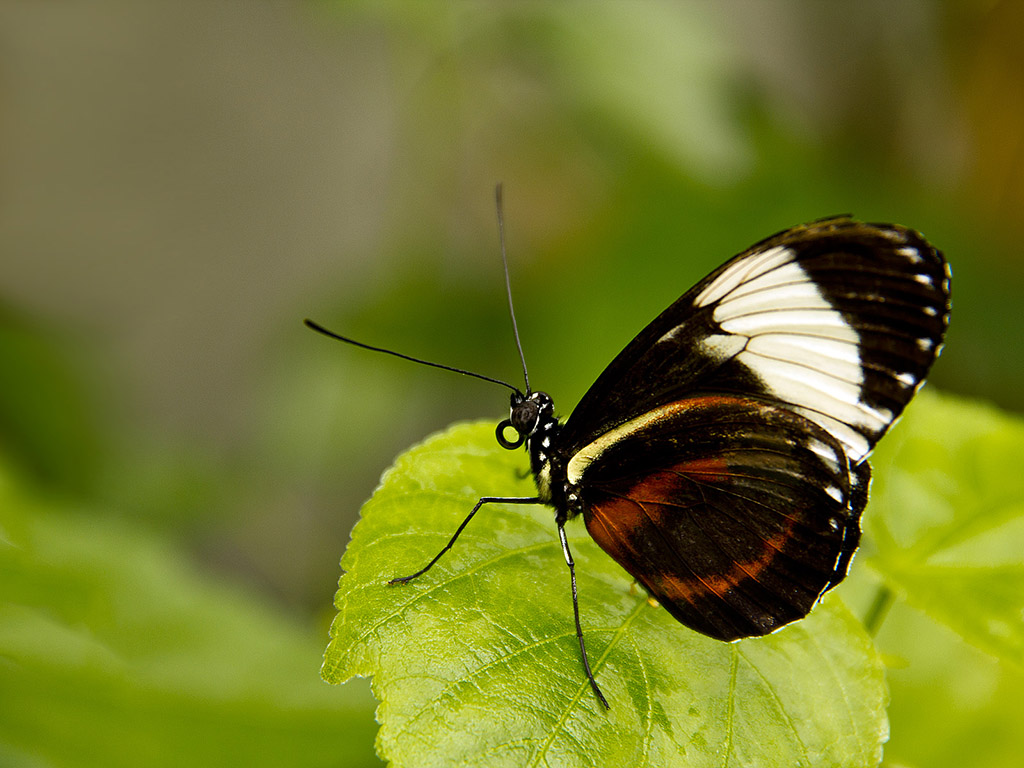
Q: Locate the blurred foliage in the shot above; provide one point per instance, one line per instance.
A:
(640, 145)
(47, 424)
(948, 520)
(114, 651)
(945, 532)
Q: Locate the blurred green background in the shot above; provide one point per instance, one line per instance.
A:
(183, 182)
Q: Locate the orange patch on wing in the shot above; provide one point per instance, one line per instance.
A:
(720, 583)
(707, 470)
(614, 523)
(617, 524)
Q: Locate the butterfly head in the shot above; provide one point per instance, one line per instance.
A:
(526, 414)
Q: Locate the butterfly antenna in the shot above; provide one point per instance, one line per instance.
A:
(320, 329)
(508, 284)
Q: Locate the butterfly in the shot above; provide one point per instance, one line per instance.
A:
(721, 458)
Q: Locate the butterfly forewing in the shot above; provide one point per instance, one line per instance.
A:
(735, 514)
(837, 320)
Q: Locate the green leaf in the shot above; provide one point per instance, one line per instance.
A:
(476, 662)
(947, 518)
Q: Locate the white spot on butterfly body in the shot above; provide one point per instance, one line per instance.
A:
(544, 481)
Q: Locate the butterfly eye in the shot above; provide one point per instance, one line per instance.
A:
(525, 417)
(503, 441)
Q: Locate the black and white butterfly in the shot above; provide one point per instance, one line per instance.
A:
(721, 458)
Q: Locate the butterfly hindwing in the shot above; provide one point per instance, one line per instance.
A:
(736, 514)
(838, 320)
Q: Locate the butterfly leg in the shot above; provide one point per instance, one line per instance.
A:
(451, 541)
(576, 614)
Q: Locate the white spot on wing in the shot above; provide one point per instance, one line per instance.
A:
(839, 357)
(853, 441)
(816, 388)
(911, 253)
(589, 453)
(906, 379)
(786, 289)
(779, 324)
(741, 271)
(722, 346)
(670, 334)
(826, 452)
(783, 329)
(816, 320)
(819, 393)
